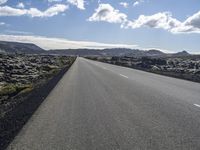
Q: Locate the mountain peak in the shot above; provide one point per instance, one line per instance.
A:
(182, 53)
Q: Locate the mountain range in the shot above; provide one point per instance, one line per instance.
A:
(29, 48)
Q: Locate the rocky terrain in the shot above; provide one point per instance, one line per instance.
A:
(19, 74)
(25, 81)
(181, 65)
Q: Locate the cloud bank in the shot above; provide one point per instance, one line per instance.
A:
(33, 12)
(58, 43)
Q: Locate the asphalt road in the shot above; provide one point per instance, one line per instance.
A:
(98, 106)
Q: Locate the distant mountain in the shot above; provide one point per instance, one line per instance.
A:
(92, 52)
(154, 52)
(15, 47)
(145, 53)
(28, 48)
(75, 52)
(107, 52)
(117, 51)
(183, 53)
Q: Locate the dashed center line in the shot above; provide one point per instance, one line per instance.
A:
(197, 105)
(123, 76)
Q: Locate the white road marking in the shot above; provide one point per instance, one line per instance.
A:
(197, 105)
(123, 76)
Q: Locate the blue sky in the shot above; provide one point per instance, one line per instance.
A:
(170, 25)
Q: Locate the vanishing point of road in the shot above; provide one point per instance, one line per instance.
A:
(98, 106)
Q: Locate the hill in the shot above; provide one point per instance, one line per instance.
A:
(183, 53)
(15, 47)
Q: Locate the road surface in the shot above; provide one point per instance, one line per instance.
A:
(98, 106)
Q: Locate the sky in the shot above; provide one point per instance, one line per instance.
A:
(168, 25)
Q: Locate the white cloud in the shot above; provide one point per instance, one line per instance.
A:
(9, 11)
(58, 43)
(20, 5)
(164, 20)
(18, 32)
(2, 23)
(54, 1)
(55, 10)
(194, 20)
(33, 12)
(78, 3)
(160, 20)
(3, 1)
(124, 4)
(138, 2)
(105, 12)
(191, 24)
